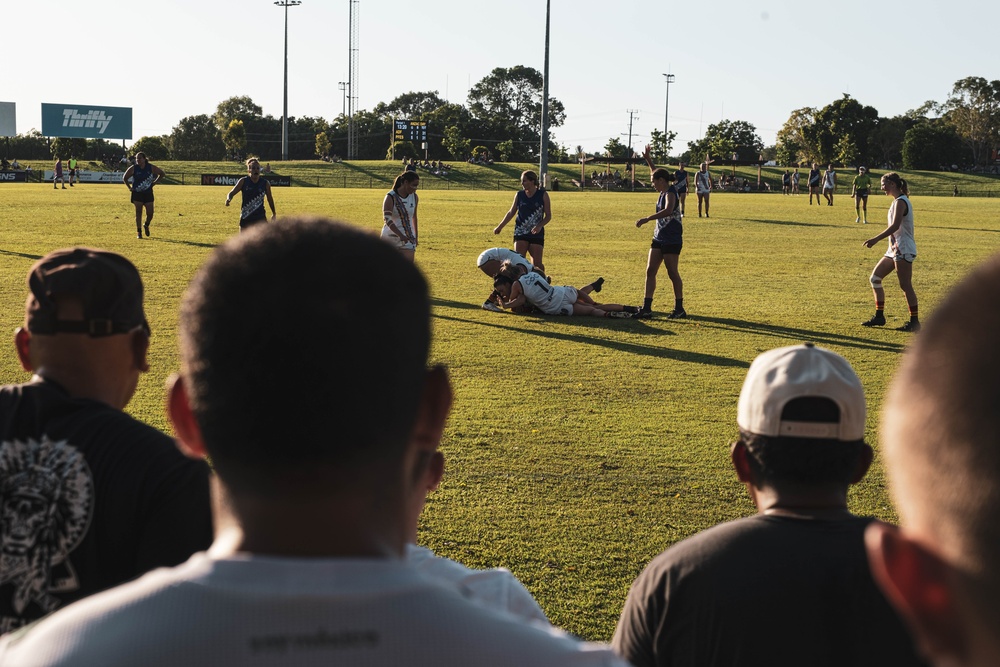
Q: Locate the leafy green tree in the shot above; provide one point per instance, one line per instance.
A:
(844, 121)
(29, 146)
(504, 150)
(615, 148)
(660, 145)
(235, 139)
(323, 144)
(446, 116)
(414, 105)
(155, 148)
(973, 109)
(236, 108)
(402, 149)
(931, 144)
(886, 140)
(455, 143)
(67, 148)
(508, 104)
(196, 138)
(792, 146)
(727, 137)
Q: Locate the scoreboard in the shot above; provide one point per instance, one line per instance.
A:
(410, 130)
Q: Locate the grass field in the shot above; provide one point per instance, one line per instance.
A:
(578, 448)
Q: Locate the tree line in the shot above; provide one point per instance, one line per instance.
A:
(502, 117)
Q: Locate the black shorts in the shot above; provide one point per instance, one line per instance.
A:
(531, 239)
(814, 185)
(666, 248)
(250, 222)
(862, 193)
(144, 197)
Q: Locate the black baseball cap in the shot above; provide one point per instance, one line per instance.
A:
(107, 285)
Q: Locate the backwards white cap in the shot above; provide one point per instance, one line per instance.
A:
(786, 373)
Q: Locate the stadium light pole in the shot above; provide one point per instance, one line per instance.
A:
(666, 105)
(543, 160)
(343, 89)
(284, 115)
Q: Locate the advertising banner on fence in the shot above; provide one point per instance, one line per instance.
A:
(226, 179)
(13, 177)
(88, 176)
(78, 121)
(8, 128)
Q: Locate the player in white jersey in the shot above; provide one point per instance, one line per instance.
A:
(490, 261)
(900, 255)
(703, 187)
(399, 212)
(532, 288)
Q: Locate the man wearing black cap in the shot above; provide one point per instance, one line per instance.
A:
(89, 497)
(790, 585)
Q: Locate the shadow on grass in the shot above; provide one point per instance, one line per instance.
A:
(182, 242)
(596, 323)
(25, 255)
(377, 176)
(790, 223)
(823, 337)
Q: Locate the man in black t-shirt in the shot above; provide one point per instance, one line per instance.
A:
(89, 497)
(789, 586)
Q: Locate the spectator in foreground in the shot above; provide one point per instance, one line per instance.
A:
(790, 585)
(318, 454)
(941, 440)
(90, 497)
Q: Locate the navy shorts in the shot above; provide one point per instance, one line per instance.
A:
(531, 239)
(144, 197)
(254, 220)
(666, 248)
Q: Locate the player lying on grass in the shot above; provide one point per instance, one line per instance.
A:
(491, 260)
(518, 287)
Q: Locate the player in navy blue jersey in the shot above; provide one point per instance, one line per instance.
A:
(144, 176)
(667, 240)
(255, 190)
(533, 210)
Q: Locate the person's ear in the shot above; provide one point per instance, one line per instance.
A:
(435, 405)
(22, 344)
(185, 426)
(738, 453)
(864, 463)
(140, 349)
(435, 471)
(919, 584)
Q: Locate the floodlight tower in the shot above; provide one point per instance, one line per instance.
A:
(543, 160)
(352, 79)
(666, 105)
(284, 114)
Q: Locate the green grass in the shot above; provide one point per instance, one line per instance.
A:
(578, 448)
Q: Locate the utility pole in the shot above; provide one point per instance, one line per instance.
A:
(284, 114)
(543, 160)
(352, 79)
(632, 115)
(342, 87)
(666, 107)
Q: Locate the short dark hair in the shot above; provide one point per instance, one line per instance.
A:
(664, 174)
(804, 461)
(304, 344)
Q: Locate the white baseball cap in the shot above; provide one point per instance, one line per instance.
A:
(786, 373)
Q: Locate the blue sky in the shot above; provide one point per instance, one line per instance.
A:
(752, 60)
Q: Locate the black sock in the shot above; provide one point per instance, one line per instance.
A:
(597, 284)
(678, 304)
(647, 304)
(630, 309)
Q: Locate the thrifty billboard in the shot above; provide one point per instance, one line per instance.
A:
(78, 121)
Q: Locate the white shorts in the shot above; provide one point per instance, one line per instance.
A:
(900, 257)
(564, 305)
(391, 238)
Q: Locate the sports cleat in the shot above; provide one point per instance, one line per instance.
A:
(598, 284)
(677, 314)
(619, 314)
(643, 314)
(913, 326)
(489, 305)
(138, 236)
(145, 228)
(864, 222)
(877, 320)
(857, 220)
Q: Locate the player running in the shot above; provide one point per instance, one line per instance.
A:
(144, 176)
(255, 190)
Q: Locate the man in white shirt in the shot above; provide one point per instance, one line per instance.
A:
(321, 417)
